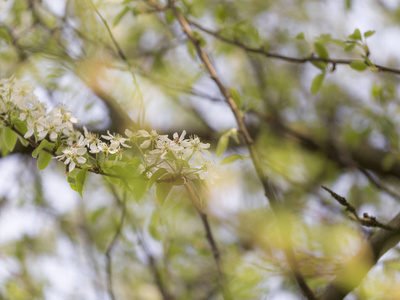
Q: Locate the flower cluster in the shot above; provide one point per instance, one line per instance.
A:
(179, 157)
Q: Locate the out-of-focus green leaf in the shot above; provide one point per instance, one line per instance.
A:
(157, 174)
(236, 97)
(162, 191)
(356, 35)
(321, 51)
(317, 83)
(369, 33)
(222, 144)
(120, 15)
(358, 65)
(5, 36)
(231, 159)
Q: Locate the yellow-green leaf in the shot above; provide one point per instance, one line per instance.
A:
(358, 65)
(317, 83)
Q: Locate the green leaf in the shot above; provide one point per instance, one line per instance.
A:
(321, 51)
(350, 47)
(9, 138)
(320, 65)
(358, 65)
(300, 36)
(201, 41)
(44, 159)
(157, 174)
(191, 49)
(356, 35)
(72, 178)
(43, 144)
(5, 36)
(169, 16)
(120, 15)
(369, 33)
(222, 144)
(231, 159)
(138, 187)
(80, 181)
(155, 226)
(236, 97)
(162, 191)
(317, 83)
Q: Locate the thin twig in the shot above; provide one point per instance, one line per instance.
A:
(365, 220)
(379, 184)
(211, 241)
(152, 263)
(262, 51)
(110, 249)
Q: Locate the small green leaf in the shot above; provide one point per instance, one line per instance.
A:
(356, 35)
(222, 144)
(369, 33)
(191, 49)
(358, 65)
(155, 226)
(157, 174)
(300, 36)
(72, 178)
(236, 97)
(320, 65)
(321, 50)
(317, 83)
(120, 15)
(169, 16)
(201, 41)
(80, 181)
(162, 191)
(43, 144)
(5, 35)
(9, 138)
(44, 159)
(138, 187)
(350, 47)
(231, 159)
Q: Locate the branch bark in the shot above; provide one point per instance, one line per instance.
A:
(358, 267)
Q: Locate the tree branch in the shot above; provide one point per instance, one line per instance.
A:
(239, 116)
(366, 220)
(111, 247)
(267, 54)
(213, 245)
(356, 269)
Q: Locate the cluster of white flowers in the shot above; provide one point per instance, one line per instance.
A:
(180, 157)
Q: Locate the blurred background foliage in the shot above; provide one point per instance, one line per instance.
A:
(346, 136)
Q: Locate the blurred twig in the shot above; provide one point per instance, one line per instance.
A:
(211, 241)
